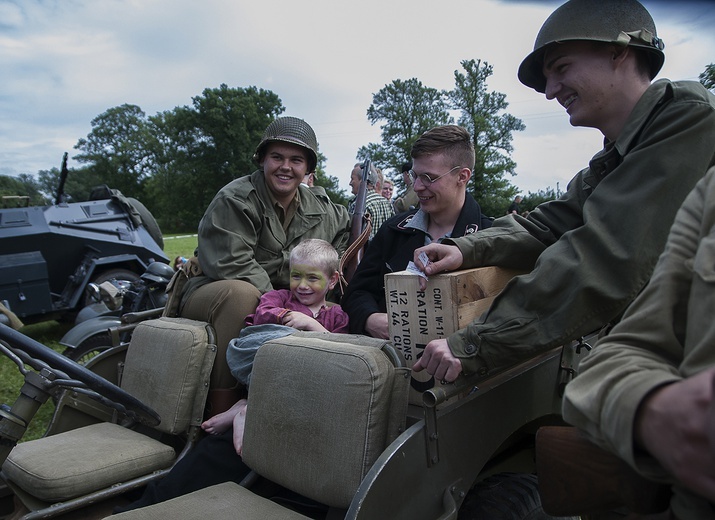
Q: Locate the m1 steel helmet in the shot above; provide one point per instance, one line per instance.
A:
(622, 22)
(158, 272)
(290, 130)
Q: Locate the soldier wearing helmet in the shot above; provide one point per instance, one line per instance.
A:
(248, 231)
(619, 22)
(593, 250)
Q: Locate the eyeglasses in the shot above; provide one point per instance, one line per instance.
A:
(426, 180)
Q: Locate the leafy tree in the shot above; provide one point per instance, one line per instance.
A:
(407, 109)
(199, 149)
(117, 149)
(481, 112)
(23, 185)
(330, 183)
(532, 200)
(78, 186)
(707, 77)
(176, 161)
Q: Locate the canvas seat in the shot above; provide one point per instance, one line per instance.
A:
(167, 366)
(321, 409)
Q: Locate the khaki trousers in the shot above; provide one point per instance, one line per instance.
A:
(225, 305)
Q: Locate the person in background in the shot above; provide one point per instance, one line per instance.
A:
(443, 158)
(376, 205)
(408, 200)
(514, 206)
(589, 253)
(387, 188)
(309, 179)
(179, 262)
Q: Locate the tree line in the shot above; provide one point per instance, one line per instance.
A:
(175, 161)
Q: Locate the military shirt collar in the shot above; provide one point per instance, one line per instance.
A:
(420, 221)
(613, 152)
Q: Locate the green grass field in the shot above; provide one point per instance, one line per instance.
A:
(179, 245)
(50, 332)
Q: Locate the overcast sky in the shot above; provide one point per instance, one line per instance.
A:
(63, 62)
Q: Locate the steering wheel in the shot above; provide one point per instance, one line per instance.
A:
(39, 356)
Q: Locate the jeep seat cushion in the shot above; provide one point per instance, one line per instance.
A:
(77, 462)
(227, 500)
(319, 413)
(168, 366)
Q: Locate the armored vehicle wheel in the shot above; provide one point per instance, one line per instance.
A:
(505, 496)
(89, 348)
(148, 221)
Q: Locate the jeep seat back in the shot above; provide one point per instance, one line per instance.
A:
(321, 409)
(167, 366)
(321, 412)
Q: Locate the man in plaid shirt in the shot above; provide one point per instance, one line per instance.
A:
(379, 208)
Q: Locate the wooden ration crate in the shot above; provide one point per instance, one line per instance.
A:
(450, 302)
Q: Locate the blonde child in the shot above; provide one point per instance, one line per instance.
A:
(313, 273)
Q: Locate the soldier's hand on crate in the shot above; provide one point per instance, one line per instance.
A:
(442, 257)
(439, 361)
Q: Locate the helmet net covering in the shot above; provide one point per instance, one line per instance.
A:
(290, 130)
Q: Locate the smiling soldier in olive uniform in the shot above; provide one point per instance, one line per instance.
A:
(594, 249)
(248, 232)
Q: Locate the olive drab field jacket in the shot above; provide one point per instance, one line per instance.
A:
(593, 250)
(241, 236)
(667, 334)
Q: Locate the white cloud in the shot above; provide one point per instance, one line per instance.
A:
(66, 62)
(10, 15)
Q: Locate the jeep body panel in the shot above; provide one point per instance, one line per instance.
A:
(428, 470)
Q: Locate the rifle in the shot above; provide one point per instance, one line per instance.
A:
(63, 178)
(360, 228)
(576, 477)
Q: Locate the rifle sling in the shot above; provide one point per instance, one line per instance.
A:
(353, 250)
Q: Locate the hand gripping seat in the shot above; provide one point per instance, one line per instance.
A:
(321, 409)
(167, 366)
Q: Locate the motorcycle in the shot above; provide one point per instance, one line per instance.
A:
(115, 299)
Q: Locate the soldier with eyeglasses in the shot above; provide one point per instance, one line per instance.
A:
(443, 158)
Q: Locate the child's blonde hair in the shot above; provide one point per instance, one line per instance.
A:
(316, 252)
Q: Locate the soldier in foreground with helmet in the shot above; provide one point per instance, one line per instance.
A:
(245, 240)
(593, 250)
(247, 233)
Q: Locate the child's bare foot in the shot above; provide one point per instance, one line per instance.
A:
(239, 422)
(221, 422)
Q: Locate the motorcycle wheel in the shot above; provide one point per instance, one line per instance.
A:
(89, 348)
(118, 274)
